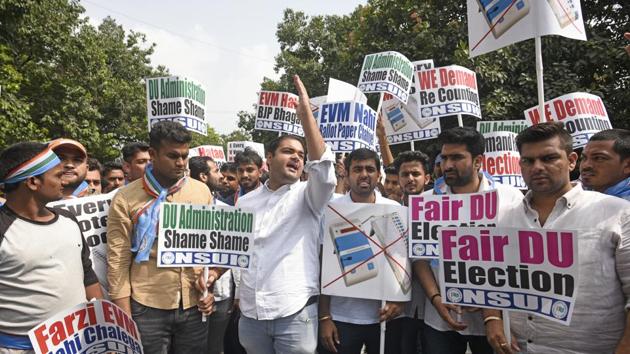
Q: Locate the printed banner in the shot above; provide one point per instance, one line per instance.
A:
(179, 100)
(205, 235)
(528, 270)
(91, 213)
(583, 115)
(95, 327)
(276, 112)
(389, 72)
(365, 253)
(428, 213)
(234, 147)
(501, 159)
(447, 91)
(494, 24)
(514, 126)
(347, 126)
(214, 151)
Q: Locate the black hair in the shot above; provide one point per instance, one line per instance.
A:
(391, 170)
(131, 149)
(621, 138)
(273, 145)
(248, 156)
(94, 165)
(168, 131)
(545, 131)
(474, 141)
(198, 165)
(110, 166)
(14, 156)
(412, 156)
(228, 167)
(361, 155)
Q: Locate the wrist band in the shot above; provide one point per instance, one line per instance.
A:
(327, 317)
(491, 318)
(433, 297)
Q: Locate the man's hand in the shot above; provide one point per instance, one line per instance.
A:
(391, 310)
(206, 303)
(328, 335)
(496, 338)
(380, 127)
(445, 310)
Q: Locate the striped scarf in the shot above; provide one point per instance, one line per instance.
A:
(146, 219)
(36, 166)
(81, 191)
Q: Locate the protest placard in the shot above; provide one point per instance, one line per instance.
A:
(347, 126)
(514, 126)
(234, 147)
(496, 24)
(214, 151)
(428, 213)
(177, 99)
(91, 213)
(275, 111)
(94, 327)
(447, 91)
(389, 72)
(583, 115)
(364, 253)
(342, 91)
(205, 235)
(529, 270)
(501, 158)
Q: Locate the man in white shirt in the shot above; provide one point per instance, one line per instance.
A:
(347, 324)
(599, 323)
(462, 153)
(278, 293)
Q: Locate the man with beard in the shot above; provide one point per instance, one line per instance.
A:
(135, 159)
(462, 154)
(605, 165)
(600, 322)
(93, 176)
(248, 169)
(229, 193)
(113, 175)
(278, 292)
(347, 324)
(206, 170)
(73, 158)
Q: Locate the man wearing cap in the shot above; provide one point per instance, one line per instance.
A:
(73, 158)
(45, 265)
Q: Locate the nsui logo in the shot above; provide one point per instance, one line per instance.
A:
(168, 258)
(450, 108)
(454, 295)
(243, 261)
(418, 249)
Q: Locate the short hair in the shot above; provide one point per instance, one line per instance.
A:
(621, 138)
(94, 165)
(131, 149)
(248, 156)
(545, 131)
(198, 165)
(273, 145)
(361, 155)
(168, 131)
(472, 139)
(228, 167)
(391, 170)
(14, 156)
(412, 156)
(110, 166)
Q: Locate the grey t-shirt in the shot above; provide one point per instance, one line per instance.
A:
(44, 268)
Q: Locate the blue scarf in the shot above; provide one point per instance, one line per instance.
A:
(621, 189)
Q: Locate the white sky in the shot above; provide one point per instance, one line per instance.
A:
(227, 46)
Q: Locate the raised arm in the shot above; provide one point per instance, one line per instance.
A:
(314, 141)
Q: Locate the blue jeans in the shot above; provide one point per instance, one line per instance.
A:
(170, 331)
(352, 337)
(294, 334)
(438, 342)
(217, 324)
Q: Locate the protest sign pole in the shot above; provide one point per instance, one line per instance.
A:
(413, 146)
(539, 77)
(460, 123)
(204, 317)
(382, 344)
(506, 327)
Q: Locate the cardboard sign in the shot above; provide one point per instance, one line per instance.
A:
(347, 126)
(177, 99)
(214, 151)
(234, 147)
(276, 112)
(514, 126)
(389, 72)
(447, 91)
(529, 270)
(94, 327)
(501, 159)
(583, 115)
(428, 213)
(91, 213)
(365, 253)
(498, 23)
(205, 235)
